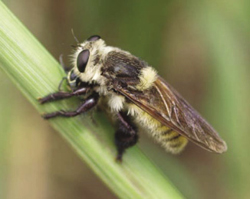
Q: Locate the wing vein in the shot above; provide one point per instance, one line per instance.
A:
(164, 101)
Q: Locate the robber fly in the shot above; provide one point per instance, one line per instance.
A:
(135, 95)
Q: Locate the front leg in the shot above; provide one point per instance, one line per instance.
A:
(63, 95)
(89, 103)
(126, 135)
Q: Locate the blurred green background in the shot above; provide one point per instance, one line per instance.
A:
(200, 47)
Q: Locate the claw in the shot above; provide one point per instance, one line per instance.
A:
(118, 159)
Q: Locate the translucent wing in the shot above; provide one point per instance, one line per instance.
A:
(166, 105)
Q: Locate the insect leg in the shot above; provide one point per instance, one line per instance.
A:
(62, 95)
(66, 68)
(126, 135)
(89, 103)
(61, 83)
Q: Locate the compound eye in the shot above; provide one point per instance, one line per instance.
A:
(94, 38)
(82, 60)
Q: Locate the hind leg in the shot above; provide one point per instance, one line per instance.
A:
(126, 134)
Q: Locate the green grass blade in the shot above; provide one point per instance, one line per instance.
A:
(35, 72)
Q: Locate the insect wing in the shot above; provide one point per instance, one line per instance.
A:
(166, 105)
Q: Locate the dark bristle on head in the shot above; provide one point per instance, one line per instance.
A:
(75, 47)
(93, 38)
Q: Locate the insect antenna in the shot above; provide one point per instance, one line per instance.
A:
(77, 41)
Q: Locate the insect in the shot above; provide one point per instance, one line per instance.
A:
(135, 95)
